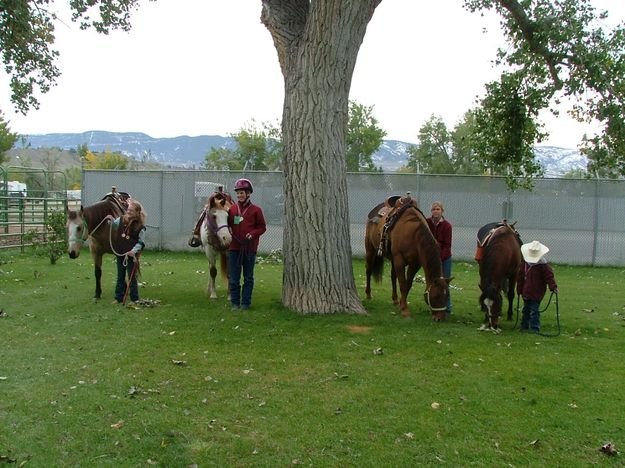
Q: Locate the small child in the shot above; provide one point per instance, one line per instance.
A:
(535, 274)
(130, 243)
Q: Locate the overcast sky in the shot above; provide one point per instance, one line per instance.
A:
(207, 67)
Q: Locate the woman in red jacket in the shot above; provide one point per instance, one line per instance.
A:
(247, 224)
(535, 274)
(441, 229)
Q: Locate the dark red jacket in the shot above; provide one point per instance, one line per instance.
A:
(442, 234)
(253, 223)
(533, 279)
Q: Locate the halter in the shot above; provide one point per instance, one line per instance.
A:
(427, 297)
(213, 225)
(83, 237)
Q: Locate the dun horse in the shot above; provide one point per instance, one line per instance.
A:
(216, 237)
(90, 223)
(398, 231)
(499, 248)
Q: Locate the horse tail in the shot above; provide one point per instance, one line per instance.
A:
(223, 263)
(377, 268)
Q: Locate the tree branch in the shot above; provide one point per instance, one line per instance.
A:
(531, 31)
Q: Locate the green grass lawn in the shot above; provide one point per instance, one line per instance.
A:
(191, 382)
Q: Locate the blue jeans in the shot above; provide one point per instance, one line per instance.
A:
(241, 262)
(531, 315)
(447, 274)
(120, 287)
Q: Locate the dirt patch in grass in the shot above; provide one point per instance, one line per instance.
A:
(359, 329)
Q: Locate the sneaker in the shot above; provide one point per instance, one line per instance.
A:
(195, 241)
(245, 307)
(235, 307)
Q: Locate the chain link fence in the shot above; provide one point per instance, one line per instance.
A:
(582, 221)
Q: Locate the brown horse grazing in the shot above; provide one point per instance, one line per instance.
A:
(216, 237)
(399, 231)
(500, 260)
(91, 223)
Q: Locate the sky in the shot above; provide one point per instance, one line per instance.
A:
(209, 67)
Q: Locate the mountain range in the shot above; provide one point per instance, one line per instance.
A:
(189, 151)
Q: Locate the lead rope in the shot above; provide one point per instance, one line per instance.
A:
(113, 248)
(135, 266)
(550, 335)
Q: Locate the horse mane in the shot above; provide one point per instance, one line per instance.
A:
(431, 264)
(489, 259)
(95, 213)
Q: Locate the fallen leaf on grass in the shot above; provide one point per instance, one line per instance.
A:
(588, 311)
(609, 449)
(118, 425)
(178, 362)
(378, 351)
(435, 405)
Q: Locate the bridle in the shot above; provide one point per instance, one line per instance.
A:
(427, 300)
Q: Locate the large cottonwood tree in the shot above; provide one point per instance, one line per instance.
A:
(553, 49)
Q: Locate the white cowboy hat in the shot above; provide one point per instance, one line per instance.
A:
(533, 251)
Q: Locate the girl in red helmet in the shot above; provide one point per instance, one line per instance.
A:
(247, 223)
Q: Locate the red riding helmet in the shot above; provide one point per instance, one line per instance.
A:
(243, 184)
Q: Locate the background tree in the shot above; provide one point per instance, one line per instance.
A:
(464, 157)
(317, 45)
(433, 153)
(556, 49)
(364, 137)
(7, 139)
(506, 129)
(27, 34)
(258, 148)
(106, 160)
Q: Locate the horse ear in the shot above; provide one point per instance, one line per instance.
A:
(480, 286)
(449, 280)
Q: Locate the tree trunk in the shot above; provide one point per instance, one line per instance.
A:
(317, 44)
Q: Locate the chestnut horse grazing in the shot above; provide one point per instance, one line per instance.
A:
(91, 223)
(499, 245)
(399, 231)
(216, 237)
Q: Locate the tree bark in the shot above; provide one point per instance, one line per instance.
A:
(317, 44)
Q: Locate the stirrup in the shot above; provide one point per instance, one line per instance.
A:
(195, 241)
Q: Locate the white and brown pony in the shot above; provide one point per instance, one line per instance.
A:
(216, 238)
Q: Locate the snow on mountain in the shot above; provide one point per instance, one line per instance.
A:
(558, 161)
(187, 151)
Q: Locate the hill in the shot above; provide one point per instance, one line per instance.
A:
(189, 152)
